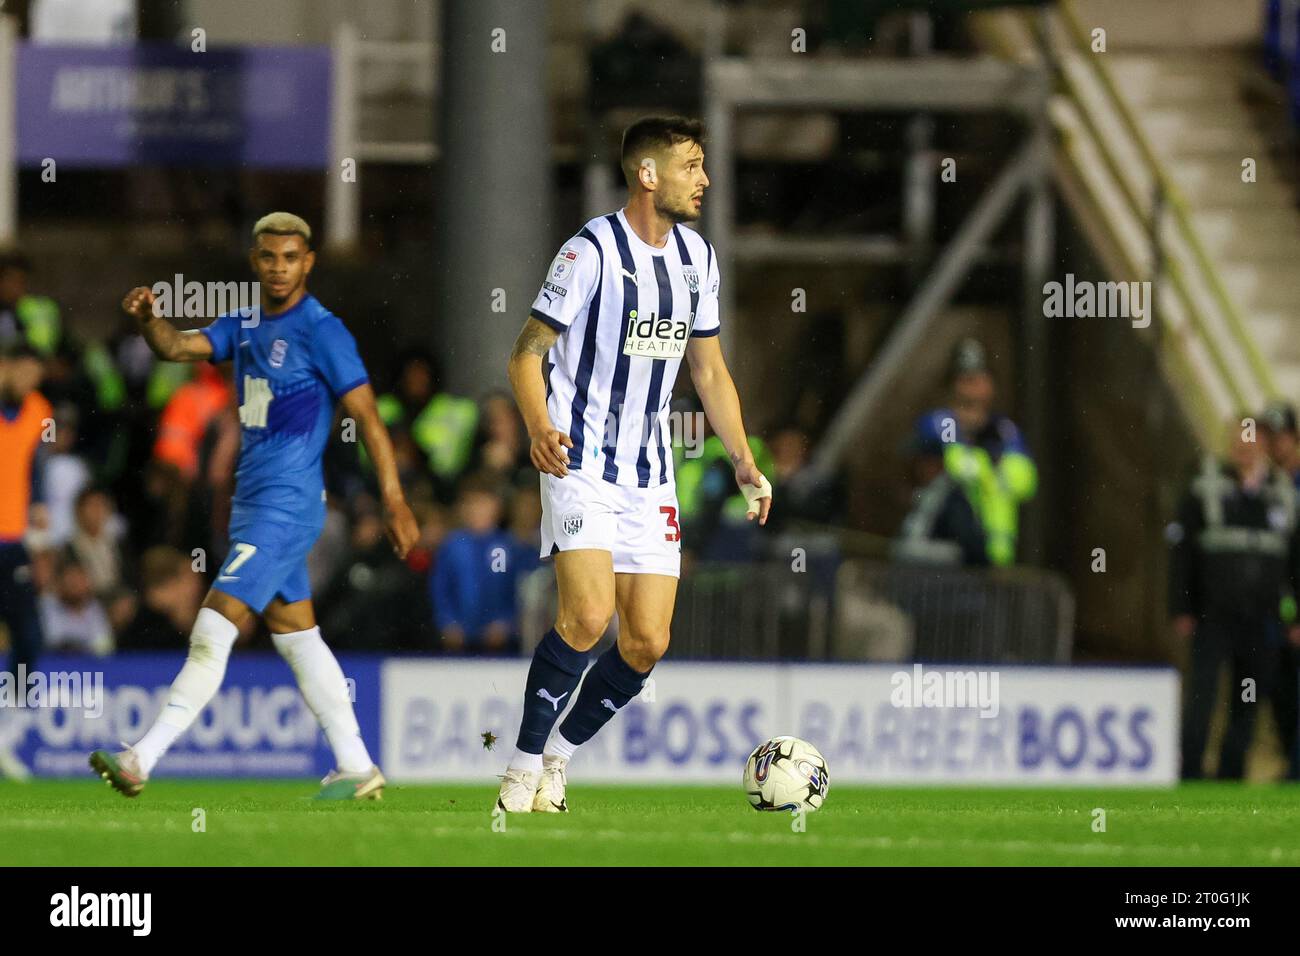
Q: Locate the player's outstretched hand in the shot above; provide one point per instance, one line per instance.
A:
(402, 529)
(751, 481)
(548, 452)
(138, 303)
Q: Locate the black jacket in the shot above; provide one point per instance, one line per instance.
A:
(1233, 553)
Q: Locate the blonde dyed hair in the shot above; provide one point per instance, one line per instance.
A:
(283, 224)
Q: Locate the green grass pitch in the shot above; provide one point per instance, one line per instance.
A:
(249, 823)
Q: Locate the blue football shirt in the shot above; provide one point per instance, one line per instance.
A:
(290, 371)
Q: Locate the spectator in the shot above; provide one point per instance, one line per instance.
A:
(525, 527)
(501, 449)
(192, 412)
(24, 413)
(713, 509)
(159, 511)
(375, 602)
(194, 458)
(65, 476)
(95, 540)
(983, 451)
(330, 552)
(67, 385)
(442, 425)
(412, 467)
(474, 576)
(1234, 549)
(804, 495)
(942, 528)
(1278, 429)
(84, 385)
(31, 320)
(433, 529)
(172, 593)
(72, 618)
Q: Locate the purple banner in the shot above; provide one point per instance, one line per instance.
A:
(161, 104)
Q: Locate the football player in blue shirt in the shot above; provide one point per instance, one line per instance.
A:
(294, 361)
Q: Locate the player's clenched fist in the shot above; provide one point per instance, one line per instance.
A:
(138, 303)
(548, 452)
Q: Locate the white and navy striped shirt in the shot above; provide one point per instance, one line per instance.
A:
(625, 311)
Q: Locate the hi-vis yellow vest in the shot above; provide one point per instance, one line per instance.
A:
(995, 492)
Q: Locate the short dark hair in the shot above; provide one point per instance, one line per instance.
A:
(413, 353)
(656, 133)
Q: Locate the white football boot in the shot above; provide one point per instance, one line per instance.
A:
(550, 789)
(121, 770)
(352, 786)
(518, 788)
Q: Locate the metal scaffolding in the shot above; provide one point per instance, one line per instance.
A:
(924, 85)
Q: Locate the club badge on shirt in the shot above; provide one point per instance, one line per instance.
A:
(692, 277)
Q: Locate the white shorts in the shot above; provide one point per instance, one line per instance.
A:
(638, 526)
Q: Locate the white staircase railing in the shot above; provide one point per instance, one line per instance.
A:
(1103, 152)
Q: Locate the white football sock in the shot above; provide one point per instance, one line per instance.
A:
(197, 683)
(525, 761)
(557, 746)
(326, 692)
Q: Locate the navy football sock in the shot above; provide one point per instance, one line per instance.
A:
(554, 673)
(610, 684)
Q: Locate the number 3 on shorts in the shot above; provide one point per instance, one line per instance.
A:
(676, 533)
(242, 553)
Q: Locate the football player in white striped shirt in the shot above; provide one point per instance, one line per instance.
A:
(626, 299)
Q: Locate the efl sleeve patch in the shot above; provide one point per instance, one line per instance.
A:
(569, 284)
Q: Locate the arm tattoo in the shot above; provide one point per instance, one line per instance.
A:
(534, 339)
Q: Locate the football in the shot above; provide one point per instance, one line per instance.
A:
(786, 773)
